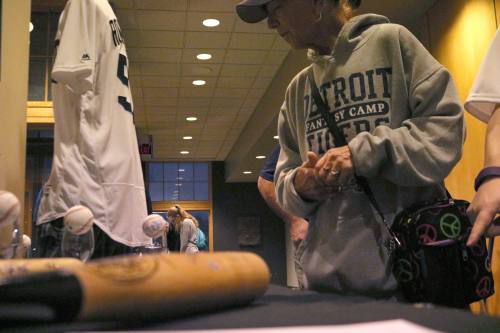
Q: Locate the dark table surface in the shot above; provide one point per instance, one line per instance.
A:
(281, 306)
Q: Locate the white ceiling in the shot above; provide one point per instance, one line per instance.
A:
(246, 77)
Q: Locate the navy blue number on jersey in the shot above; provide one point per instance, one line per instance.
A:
(122, 65)
(116, 35)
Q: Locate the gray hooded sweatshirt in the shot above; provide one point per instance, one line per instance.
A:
(400, 113)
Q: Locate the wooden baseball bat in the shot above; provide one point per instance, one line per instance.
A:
(5, 238)
(143, 287)
(17, 267)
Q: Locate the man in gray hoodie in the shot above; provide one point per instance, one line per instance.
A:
(400, 114)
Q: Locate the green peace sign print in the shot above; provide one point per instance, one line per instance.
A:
(450, 225)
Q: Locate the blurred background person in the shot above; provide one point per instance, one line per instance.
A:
(185, 225)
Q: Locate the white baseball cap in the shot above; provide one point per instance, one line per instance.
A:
(252, 11)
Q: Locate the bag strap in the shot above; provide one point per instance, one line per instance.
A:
(340, 140)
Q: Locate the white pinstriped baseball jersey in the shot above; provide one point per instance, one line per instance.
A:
(96, 159)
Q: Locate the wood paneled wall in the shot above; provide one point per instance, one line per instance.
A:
(13, 95)
(459, 34)
(497, 7)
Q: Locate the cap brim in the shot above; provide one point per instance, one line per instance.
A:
(252, 11)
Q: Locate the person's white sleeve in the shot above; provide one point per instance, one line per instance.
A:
(289, 160)
(76, 57)
(485, 92)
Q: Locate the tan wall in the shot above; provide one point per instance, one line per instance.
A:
(460, 32)
(497, 6)
(13, 95)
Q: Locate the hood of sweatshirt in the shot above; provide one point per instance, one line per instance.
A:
(352, 35)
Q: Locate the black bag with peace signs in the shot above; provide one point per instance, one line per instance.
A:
(433, 263)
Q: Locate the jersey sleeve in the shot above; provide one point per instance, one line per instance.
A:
(485, 92)
(75, 41)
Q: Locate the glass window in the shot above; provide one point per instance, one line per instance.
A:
(46, 168)
(156, 191)
(170, 172)
(37, 80)
(41, 55)
(39, 35)
(30, 165)
(201, 191)
(201, 171)
(181, 181)
(186, 191)
(155, 172)
(49, 97)
(171, 191)
(32, 134)
(53, 23)
(47, 134)
(186, 172)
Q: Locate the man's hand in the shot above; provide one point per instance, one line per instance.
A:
(482, 211)
(298, 228)
(306, 182)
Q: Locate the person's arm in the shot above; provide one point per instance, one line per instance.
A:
(492, 153)
(486, 202)
(266, 189)
(425, 147)
(298, 226)
(297, 189)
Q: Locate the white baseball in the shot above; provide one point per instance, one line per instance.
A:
(154, 225)
(26, 241)
(78, 220)
(23, 248)
(10, 209)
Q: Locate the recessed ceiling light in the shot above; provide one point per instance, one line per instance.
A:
(31, 27)
(184, 152)
(181, 170)
(247, 172)
(191, 119)
(204, 56)
(211, 23)
(187, 137)
(276, 137)
(259, 157)
(199, 82)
